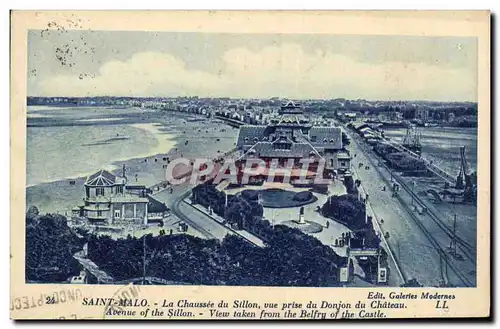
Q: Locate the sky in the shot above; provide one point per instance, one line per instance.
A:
(296, 66)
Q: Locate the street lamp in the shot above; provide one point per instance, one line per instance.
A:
(413, 183)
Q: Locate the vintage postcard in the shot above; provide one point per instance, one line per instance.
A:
(250, 165)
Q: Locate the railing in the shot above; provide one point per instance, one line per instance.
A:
(95, 217)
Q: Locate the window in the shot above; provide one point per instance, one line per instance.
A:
(283, 146)
(331, 162)
(119, 189)
(313, 138)
(342, 163)
(99, 213)
(117, 213)
(99, 191)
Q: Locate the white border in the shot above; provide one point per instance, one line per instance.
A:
(186, 4)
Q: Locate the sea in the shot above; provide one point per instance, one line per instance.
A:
(442, 145)
(71, 142)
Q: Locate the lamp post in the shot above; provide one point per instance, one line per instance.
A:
(391, 169)
(413, 183)
(144, 259)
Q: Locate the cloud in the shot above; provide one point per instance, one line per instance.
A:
(283, 71)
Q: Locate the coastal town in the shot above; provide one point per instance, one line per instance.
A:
(367, 208)
(389, 113)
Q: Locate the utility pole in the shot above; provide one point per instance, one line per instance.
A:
(412, 195)
(441, 266)
(446, 269)
(399, 249)
(453, 242)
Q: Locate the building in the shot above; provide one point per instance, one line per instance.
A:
(290, 135)
(422, 114)
(109, 200)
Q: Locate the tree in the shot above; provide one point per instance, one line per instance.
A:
(345, 139)
(346, 209)
(291, 258)
(50, 245)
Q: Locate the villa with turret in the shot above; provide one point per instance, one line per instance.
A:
(110, 200)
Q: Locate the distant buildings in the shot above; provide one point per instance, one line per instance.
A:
(422, 114)
(257, 111)
(110, 200)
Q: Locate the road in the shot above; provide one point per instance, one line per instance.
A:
(195, 219)
(418, 244)
(397, 277)
(202, 222)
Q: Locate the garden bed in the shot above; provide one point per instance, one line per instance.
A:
(278, 198)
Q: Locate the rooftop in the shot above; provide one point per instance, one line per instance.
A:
(101, 178)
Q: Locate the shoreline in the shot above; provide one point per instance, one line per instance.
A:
(59, 196)
(167, 144)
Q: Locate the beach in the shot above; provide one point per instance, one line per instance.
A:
(65, 145)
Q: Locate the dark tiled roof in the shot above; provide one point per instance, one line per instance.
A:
(297, 150)
(250, 132)
(326, 137)
(101, 178)
(290, 104)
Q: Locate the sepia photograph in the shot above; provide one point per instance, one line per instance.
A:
(245, 159)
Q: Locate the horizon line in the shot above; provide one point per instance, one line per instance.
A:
(268, 98)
